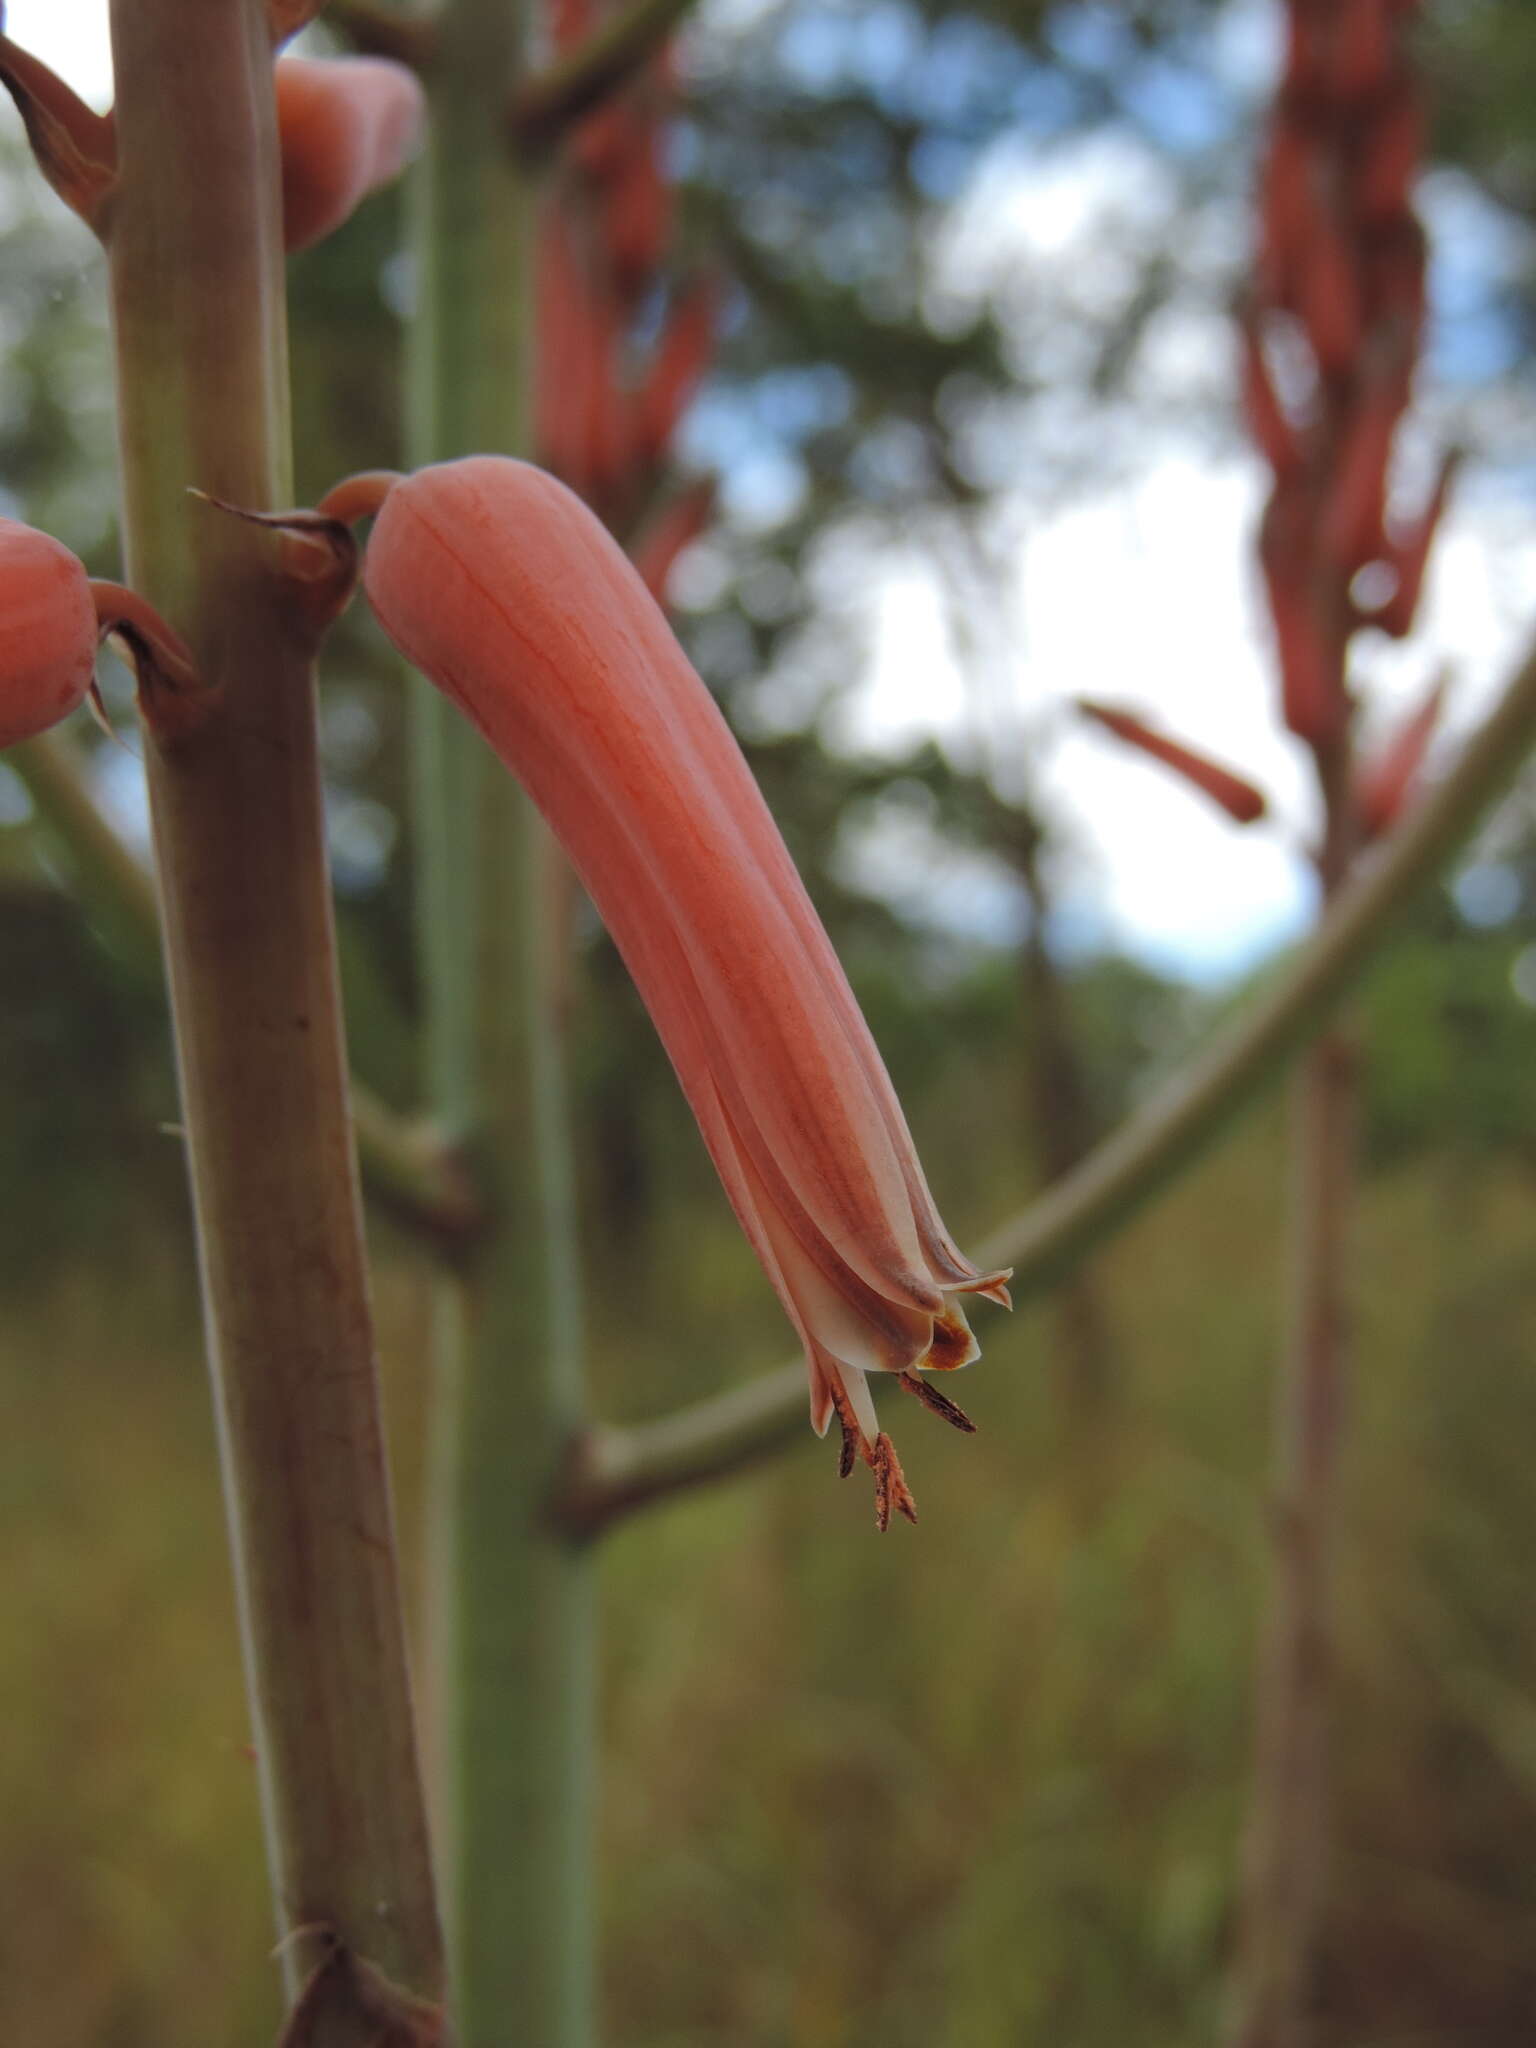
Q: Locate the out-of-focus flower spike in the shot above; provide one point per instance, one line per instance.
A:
(1387, 785)
(1385, 176)
(673, 526)
(637, 214)
(1363, 50)
(1352, 523)
(1233, 793)
(346, 126)
(1409, 557)
(1329, 298)
(682, 357)
(75, 147)
(1266, 417)
(1313, 698)
(1285, 202)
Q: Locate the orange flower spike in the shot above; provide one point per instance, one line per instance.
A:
(1236, 796)
(1409, 557)
(1384, 180)
(1386, 786)
(1352, 526)
(1267, 419)
(664, 536)
(48, 632)
(683, 356)
(510, 595)
(347, 125)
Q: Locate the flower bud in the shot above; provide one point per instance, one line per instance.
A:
(48, 632)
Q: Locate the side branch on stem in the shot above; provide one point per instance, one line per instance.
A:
(610, 56)
(382, 32)
(621, 1469)
(407, 1164)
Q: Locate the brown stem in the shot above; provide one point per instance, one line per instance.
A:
(383, 32)
(611, 55)
(197, 292)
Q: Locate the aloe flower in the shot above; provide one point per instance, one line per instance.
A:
(501, 586)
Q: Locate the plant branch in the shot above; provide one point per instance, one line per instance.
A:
(624, 1468)
(574, 84)
(515, 1596)
(382, 32)
(201, 348)
(407, 1165)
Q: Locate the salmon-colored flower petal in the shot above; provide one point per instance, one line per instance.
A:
(1234, 793)
(48, 632)
(346, 125)
(510, 595)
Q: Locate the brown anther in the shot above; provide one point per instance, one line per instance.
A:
(941, 1404)
(891, 1488)
(853, 1436)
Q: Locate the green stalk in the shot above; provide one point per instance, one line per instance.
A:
(199, 322)
(624, 1469)
(515, 1592)
(1285, 1849)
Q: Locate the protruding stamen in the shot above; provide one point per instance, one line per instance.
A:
(891, 1488)
(941, 1404)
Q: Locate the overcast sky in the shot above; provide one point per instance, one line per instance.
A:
(1145, 593)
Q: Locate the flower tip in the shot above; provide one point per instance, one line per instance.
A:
(891, 1489)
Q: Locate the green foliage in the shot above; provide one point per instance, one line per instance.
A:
(970, 1784)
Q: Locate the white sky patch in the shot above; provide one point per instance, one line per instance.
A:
(1146, 595)
(1142, 592)
(71, 37)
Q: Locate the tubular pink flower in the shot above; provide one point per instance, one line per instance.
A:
(508, 593)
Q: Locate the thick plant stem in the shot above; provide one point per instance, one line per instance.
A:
(514, 1683)
(198, 314)
(624, 1469)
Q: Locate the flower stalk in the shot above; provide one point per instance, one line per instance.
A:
(622, 1469)
(514, 1662)
(199, 328)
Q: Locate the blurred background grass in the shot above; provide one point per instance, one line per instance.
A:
(976, 1784)
(979, 1783)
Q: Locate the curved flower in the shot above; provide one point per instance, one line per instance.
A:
(508, 593)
